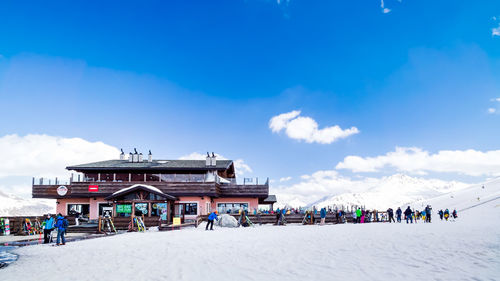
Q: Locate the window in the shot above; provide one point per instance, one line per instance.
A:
(191, 208)
(141, 209)
(159, 209)
(123, 210)
(78, 209)
(231, 208)
(105, 208)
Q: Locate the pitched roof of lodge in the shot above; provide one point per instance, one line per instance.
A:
(145, 187)
(154, 165)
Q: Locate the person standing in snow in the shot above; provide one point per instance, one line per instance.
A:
(61, 225)
(358, 215)
(446, 214)
(441, 213)
(323, 216)
(454, 214)
(390, 212)
(408, 215)
(48, 226)
(399, 212)
(211, 218)
(428, 210)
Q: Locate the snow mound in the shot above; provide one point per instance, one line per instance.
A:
(226, 220)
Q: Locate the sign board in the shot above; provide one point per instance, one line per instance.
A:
(93, 188)
(127, 209)
(62, 190)
(177, 221)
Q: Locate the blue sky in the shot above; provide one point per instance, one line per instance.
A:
(196, 76)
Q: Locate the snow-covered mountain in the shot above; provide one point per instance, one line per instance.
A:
(391, 191)
(14, 206)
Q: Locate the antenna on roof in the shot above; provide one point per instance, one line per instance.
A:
(208, 154)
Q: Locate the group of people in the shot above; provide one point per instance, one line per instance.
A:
(50, 224)
(446, 214)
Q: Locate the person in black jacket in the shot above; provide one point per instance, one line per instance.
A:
(390, 212)
(398, 214)
(408, 215)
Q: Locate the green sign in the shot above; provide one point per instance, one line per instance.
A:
(124, 209)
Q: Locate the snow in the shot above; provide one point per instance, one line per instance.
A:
(11, 205)
(467, 249)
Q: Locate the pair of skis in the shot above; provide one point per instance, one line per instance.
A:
(140, 224)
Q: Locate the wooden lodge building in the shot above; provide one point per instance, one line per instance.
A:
(154, 188)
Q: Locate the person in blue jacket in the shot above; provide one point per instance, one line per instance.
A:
(211, 218)
(323, 216)
(61, 225)
(48, 226)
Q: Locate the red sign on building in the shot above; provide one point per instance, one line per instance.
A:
(93, 188)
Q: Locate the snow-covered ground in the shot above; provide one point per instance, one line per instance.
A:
(467, 249)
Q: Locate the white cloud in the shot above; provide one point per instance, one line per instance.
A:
(418, 161)
(285, 179)
(491, 110)
(47, 156)
(239, 164)
(384, 9)
(495, 31)
(306, 128)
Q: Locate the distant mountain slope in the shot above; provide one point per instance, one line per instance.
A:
(15, 206)
(392, 191)
(470, 197)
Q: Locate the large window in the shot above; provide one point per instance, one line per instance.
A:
(231, 208)
(141, 209)
(123, 210)
(78, 209)
(191, 208)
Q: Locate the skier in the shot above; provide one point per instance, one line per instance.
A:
(358, 215)
(424, 215)
(354, 216)
(211, 218)
(446, 214)
(408, 215)
(61, 225)
(391, 215)
(454, 214)
(428, 210)
(398, 214)
(323, 216)
(48, 226)
(441, 214)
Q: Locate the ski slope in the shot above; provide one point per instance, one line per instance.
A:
(465, 249)
(470, 197)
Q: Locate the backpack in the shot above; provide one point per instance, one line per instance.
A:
(65, 223)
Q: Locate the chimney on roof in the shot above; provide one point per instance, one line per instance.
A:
(150, 156)
(130, 157)
(214, 160)
(136, 156)
(140, 157)
(209, 160)
(122, 155)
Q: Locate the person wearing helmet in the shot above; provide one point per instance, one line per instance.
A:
(211, 218)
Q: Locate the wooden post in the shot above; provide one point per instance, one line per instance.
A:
(99, 224)
(114, 176)
(144, 177)
(149, 209)
(159, 177)
(129, 177)
(98, 176)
